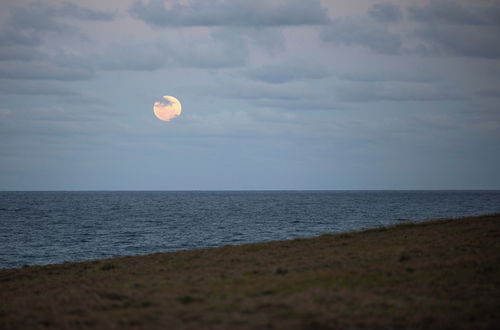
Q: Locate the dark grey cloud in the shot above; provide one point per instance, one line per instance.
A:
(395, 74)
(267, 38)
(223, 47)
(132, 56)
(489, 92)
(292, 97)
(220, 49)
(26, 27)
(454, 12)
(16, 87)
(362, 32)
(40, 16)
(55, 114)
(30, 21)
(452, 28)
(393, 92)
(443, 28)
(45, 71)
(47, 122)
(453, 40)
(21, 53)
(26, 31)
(230, 13)
(256, 90)
(36, 17)
(10, 36)
(83, 100)
(71, 10)
(386, 12)
(277, 74)
(299, 104)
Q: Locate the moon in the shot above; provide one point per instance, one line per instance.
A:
(168, 108)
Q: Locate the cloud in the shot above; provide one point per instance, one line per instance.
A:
(280, 73)
(439, 28)
(268, 38)
(36, 17)
(11, 36)
(392, 91)
(255, 90)
(300, 103)
(45, 71)
(453, 40)
(21, 53)
(34, 125)
(452, 28)
(25, 25)
(393, 74)
(442, 28)
(71, 10)
(230, 13)
(28, 30)
(224, 47)
(362, 32)
(132, 55)
(489, 92)
(453, 12)
(293, 96)
(54, 114)
(385, 12)
(219, 49)
(40, 16)
(16, 87)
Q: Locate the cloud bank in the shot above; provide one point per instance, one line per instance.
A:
(302, 94)
(230, 13)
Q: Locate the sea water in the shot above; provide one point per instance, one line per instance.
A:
(54, 227)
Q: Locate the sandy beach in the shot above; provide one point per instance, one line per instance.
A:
(439, 274)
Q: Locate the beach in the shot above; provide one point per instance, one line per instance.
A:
(435, 274)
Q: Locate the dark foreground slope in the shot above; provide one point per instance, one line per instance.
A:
(440, 274)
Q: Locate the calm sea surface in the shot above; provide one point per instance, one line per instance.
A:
(55, 227)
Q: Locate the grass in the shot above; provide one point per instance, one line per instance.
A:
(441, 274)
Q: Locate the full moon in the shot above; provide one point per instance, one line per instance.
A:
(168, 108)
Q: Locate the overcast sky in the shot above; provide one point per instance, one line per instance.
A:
(276, 94)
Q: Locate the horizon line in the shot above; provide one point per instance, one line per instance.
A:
(249, 190)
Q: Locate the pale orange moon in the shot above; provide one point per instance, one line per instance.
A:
(168, 108)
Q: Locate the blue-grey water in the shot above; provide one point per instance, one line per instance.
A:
(55, 227)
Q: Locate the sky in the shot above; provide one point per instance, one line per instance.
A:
(276, 94)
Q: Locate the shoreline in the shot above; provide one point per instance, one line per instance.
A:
(429, 274)
(400, 221)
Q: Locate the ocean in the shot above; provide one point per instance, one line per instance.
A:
(39, 228)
